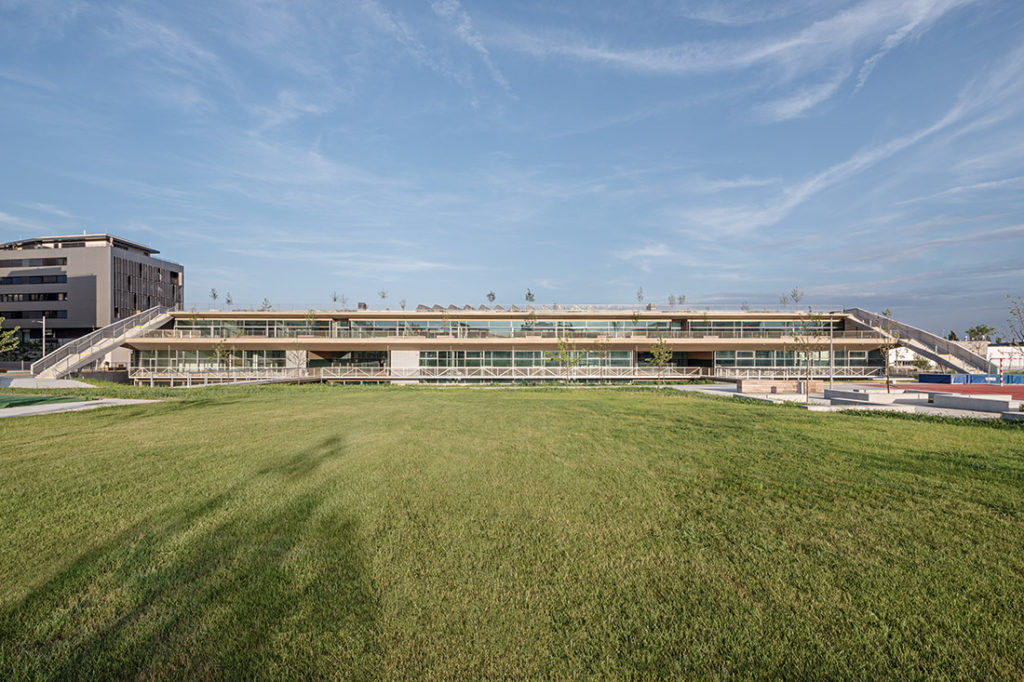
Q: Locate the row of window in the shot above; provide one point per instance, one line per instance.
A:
(42, 296)
(498, 358)
(31, 262)
(789, 358)
(512, 328)
(35, 314)
(208, 360)
(459, 328)
(766, 326)
(35, 279)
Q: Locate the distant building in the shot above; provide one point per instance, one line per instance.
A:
(1008, 357)
(80, 283)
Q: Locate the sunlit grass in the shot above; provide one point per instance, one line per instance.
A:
(375, 532)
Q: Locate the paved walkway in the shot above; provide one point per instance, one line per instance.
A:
(31, 382)
(818, 403)
(53, 408)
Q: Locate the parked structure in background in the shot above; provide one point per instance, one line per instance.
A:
(80, 283)
(1009, 358)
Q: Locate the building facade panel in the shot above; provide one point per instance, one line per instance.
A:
(447, 345)
(80, 283)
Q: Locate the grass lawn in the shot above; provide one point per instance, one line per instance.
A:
(374, 532)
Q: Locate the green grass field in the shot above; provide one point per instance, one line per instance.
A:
(334, 532)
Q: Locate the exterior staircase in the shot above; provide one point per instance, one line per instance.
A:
(948, 354)
(91, 347)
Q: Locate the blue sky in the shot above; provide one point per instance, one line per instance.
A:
(868, 152)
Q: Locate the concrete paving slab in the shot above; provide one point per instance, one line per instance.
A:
(52, 408)
(32, 382)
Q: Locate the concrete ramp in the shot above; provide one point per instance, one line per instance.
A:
(91, 347)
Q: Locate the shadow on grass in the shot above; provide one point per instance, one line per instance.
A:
(220, 588)
(306, 462)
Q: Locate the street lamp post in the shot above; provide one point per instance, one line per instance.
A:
(831, 352)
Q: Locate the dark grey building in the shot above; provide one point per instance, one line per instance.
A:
(80, 283)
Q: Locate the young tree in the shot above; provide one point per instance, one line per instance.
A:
(1015, 323)
(980, 332)
(383, 293)
(222, 353)
(228, 300)
(661, 357)
(8, 338)
(491, 296)
(681, 298)
(530, 298)
(784, 301)
(567, 355)
(745, 307)
(796, 296)
(890, 329)
(599, 349)
(640, 296)
(265, 305)
(809, 338)
(213, 297)
(334, 299)
(671, 299)
(401, 304)
(920, 363)
(952, 336)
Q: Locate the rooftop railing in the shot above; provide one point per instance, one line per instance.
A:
(214, 333)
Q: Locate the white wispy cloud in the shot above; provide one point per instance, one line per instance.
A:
(830, 44)
(997, 84)
(737, 14)
(452, 11)
(49, 209)
(803, 100)
(16, 221)
(967, 189)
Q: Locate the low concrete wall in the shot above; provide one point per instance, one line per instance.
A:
(988, 403)
(115, 376)
(872, 396)
(777, 386)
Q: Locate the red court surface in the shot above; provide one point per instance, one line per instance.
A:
(1016, 391)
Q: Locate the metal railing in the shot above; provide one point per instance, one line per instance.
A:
(480, 334)
(797, 372)
(936, 344)
(201, 378)
(457, 374)
(71, 352)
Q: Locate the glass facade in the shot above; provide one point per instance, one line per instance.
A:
(270, 328)
(468, 329)
(789, 358)
(497, 358)
(208, 360)
(780, 328)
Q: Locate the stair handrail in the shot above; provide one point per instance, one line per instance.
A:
(936, 342)
(111, 331)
